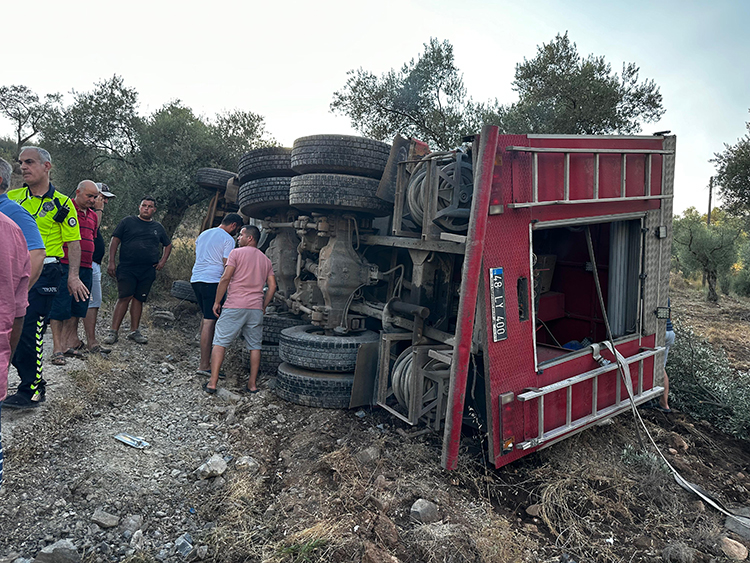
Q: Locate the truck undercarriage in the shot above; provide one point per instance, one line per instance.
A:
(512, 284)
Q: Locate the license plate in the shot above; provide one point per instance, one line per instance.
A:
(497, 292)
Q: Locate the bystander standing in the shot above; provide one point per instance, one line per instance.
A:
(247, 272)
(139, 239)
(212, 248)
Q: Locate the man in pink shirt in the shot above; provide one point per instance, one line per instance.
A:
(247, 271)
(15, 269)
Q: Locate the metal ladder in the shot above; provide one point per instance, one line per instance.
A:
(549, 437)
(596, 153)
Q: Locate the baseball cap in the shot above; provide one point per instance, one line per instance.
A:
(104, 190)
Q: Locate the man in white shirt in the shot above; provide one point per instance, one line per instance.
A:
(212, 248)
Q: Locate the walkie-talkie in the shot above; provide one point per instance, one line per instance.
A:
(61, 213)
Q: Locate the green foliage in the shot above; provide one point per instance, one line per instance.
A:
(101, 136)
(733, 175)
(308, 551)
(702, 384)
(27, 112)
(741, 282)
(706, 248)
(643, 461)
(561, 92)
(425, 99)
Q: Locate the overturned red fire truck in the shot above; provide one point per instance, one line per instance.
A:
(517, 284)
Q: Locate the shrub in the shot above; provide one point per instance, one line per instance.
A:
(179, 266)
(703, 385)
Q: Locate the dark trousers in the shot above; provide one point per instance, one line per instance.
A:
(28, 359)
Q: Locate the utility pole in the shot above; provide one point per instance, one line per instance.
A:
(710, 191)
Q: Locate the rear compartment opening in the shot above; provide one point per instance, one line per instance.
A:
(567, 313)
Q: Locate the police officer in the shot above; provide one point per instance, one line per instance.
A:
(57, 221)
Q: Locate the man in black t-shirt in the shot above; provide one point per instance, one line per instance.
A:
(139, 239)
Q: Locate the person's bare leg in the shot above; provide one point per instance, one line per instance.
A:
(136, 309)
(207, 337)
(254, 367)
(121, 307)
(70, 333)
(58, 340)
(89, 327)
(664, 401)
(217, 358)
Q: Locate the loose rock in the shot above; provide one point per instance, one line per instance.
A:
(213, 467)
(373, 554)
(534, 510)
(425, 511)
(678, 442)
(62, 551)
(105, 519)
(733, 549)
(249, 464)
(228, 396)
(368, 455)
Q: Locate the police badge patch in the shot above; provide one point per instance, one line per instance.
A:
(72, 222)
(47, 206)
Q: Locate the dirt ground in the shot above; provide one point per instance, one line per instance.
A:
(305, 484)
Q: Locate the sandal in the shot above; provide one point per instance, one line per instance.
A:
(99, 350)
(208, 390)
(58, 359)
(74, 353)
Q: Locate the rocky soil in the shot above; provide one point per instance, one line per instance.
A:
(235, 477)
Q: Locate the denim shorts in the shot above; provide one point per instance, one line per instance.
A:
(64, 306)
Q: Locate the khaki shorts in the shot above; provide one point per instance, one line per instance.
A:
(233, 321)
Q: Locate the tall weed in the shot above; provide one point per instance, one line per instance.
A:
(703, 385)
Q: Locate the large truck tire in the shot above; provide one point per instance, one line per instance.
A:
(269, 162)
(274, 323)
(313, 389)
(213, 178)
(263, 197)
(182, 289)
(337, 192)
(269, 359)
(341, 154)
(309, 347)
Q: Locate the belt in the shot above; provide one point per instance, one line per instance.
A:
(51, 260)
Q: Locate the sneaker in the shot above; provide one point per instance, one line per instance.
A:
(111, 337)
(20, 401)
(136, 336)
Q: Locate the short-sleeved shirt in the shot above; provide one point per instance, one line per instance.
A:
(211, 248)
(23, 219)
(43, 210)
(140, 240)
(88, 223)
(15, 268)
(251, 269)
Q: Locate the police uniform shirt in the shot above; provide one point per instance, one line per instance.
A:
(43, 210)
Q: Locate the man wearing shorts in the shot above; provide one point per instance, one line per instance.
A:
(95, 301)
(247, 271)
(139, 238)
(67, 308)
(212, 248)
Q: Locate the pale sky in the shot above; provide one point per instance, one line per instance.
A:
(284, 60)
